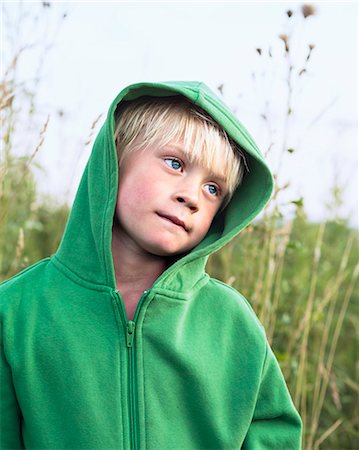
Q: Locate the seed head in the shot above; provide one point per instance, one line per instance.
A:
(285, 39)
(308, 10)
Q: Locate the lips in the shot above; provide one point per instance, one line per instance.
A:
(174, 220)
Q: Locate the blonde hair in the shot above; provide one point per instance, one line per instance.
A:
(165, 120)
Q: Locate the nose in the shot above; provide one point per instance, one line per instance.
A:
(193, 206)
(189, 196)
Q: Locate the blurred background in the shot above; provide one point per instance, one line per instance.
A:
(289, 72)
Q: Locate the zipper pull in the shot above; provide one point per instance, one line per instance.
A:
(130, 332)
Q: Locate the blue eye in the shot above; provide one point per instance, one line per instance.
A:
(212, 189)
(173, 163)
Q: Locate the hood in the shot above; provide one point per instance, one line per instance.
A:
(85, 248)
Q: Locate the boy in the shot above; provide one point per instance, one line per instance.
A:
(120, 340)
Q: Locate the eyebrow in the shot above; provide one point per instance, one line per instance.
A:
(180, 149)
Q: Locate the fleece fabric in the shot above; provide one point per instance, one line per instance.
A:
(192, 370)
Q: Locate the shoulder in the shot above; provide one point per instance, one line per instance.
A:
(231, 299)
(224, 313)
(232, 307)
(14, 288)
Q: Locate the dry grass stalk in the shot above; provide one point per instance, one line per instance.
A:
(20, 244)
(281, 249)
(250, 251)
(268, 278)
(325, 336)
(327, 433)
(41, 141)
(300, 392)
(92, 129)
(262, 252)
(332, 349)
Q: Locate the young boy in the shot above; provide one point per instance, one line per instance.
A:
(120, 340)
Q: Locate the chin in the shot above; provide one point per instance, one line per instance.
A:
(165, 250)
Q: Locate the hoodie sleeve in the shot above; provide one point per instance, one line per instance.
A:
(276, 423)
(10, 417)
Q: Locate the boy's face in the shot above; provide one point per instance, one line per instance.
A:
(165, 203)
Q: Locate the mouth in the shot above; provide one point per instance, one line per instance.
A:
(175, 220)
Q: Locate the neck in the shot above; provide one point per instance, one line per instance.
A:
(135, 271)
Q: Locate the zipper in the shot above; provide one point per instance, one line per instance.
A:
(130, 336)
(132, 381)
(130, 333)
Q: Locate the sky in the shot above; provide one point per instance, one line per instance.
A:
(96, 49)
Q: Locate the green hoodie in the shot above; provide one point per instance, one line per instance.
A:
(192, 370)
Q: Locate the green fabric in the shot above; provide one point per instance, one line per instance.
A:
(193, 370)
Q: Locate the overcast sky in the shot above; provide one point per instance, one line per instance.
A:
(99, 48)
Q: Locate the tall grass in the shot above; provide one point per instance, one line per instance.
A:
(30, 225)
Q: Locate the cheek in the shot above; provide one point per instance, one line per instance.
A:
(205, 223)
(134, 193)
